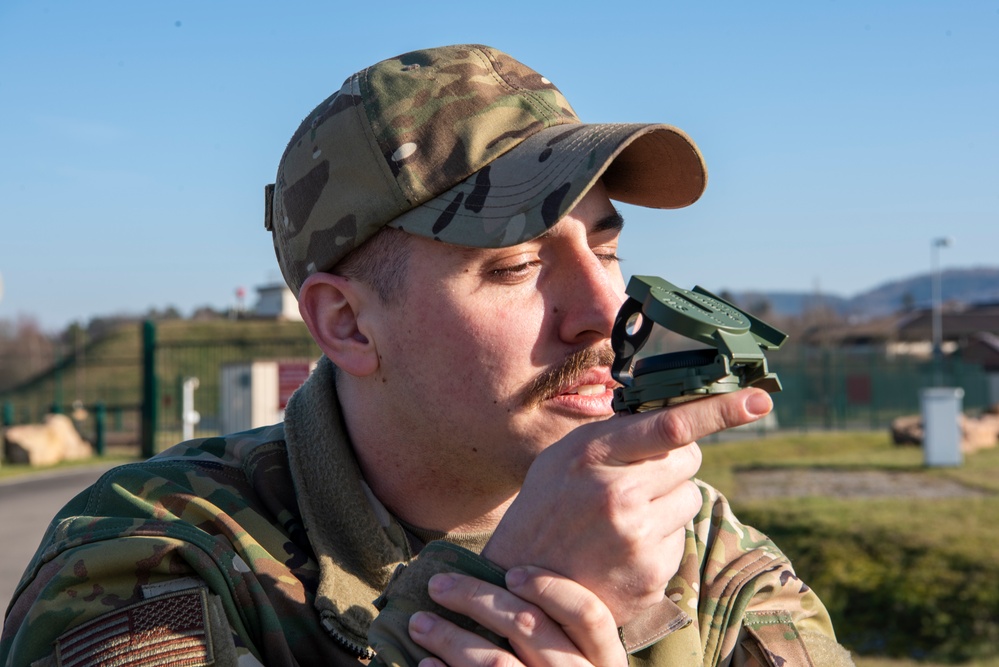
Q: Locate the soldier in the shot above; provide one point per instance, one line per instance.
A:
(450, 484)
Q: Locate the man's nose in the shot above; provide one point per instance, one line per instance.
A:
(591, 297)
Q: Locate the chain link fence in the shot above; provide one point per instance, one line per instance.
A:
(129, 391)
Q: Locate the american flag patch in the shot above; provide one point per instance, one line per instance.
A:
(169, 629)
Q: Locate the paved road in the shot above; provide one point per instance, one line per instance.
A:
(26, 506)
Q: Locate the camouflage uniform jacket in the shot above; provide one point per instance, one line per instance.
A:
(266, 547)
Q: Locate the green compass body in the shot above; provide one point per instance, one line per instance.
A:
(733, 357)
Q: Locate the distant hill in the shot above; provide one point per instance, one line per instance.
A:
(789, 303)
(968, 286)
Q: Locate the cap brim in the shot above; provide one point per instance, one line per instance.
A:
(528, 189)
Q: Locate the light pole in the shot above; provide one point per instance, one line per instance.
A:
(937, 243)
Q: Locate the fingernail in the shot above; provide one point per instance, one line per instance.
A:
(515, 577)
(759, 403)
(439, 583)
(421, 623)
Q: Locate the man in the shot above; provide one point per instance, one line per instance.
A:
(450, 484)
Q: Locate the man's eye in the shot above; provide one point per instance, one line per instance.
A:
(516, 270)
(608, 257)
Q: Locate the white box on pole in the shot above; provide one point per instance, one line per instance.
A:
(255, 393)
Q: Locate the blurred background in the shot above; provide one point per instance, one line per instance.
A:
(853, 201)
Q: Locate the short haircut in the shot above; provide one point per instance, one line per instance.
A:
(381, 263)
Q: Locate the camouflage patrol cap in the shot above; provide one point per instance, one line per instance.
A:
(462, 144)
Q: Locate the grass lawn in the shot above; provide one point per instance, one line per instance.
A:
(15, 470)
(906, 575)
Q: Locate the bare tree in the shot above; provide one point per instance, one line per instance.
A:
(25, 350)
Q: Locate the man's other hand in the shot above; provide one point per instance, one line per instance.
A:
(548, 620)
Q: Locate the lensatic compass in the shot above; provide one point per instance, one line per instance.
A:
(733, 359)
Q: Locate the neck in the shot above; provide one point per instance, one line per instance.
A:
(413, 477)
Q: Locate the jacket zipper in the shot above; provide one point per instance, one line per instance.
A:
(360, 651)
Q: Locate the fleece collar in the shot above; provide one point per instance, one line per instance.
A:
(357, 543)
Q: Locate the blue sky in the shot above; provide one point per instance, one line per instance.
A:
(841, 136)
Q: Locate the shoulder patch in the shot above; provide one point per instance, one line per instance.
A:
(171, 586)
(171, 629)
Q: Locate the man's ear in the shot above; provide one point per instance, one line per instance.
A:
(330, 306)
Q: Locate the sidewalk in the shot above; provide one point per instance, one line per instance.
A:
(27, 504)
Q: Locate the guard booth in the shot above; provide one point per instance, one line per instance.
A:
(256, 393)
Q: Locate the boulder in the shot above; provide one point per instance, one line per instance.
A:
(907, 430)
(977, 433)
(46, 444)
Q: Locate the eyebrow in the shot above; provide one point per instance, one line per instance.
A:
(614, 222)
(611, 223)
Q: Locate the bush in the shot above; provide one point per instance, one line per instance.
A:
(903, 578)
(907, 576)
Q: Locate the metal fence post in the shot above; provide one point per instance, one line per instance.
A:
(100, 417)
(57, 392)
(149, 407)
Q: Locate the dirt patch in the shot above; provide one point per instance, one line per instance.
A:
(785, 483)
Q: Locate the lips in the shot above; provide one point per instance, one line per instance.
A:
(583, 377)
(588, 396)
(589, 390)
(588, 383)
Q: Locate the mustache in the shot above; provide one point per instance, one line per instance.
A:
(552, 381)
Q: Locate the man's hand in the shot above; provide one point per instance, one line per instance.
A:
(606, 506)
(548, 620)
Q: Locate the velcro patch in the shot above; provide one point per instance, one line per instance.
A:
(170, 629)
